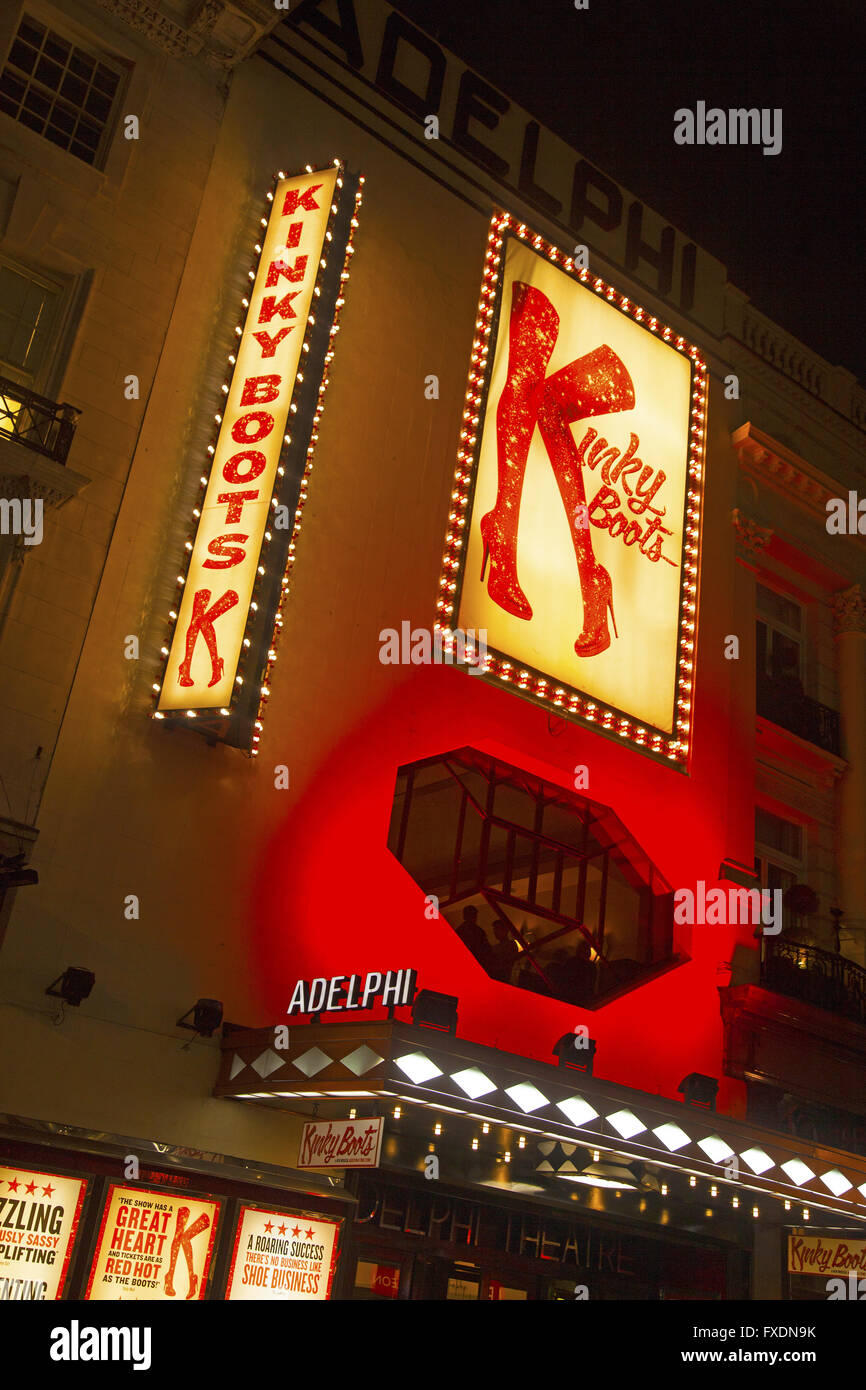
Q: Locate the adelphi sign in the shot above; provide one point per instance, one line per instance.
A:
(380, 49)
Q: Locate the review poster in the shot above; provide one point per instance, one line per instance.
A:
(153, 1246)
(39, 1214)
(282, 1256)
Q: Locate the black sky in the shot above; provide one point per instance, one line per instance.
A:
(790, 227)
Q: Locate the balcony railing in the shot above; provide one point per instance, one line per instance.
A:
(783, 704)
(816, 977)
(35, 421)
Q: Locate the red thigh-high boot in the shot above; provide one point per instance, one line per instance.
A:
(183, 1238)
(532, 332)
(597, 384)
(202, 621)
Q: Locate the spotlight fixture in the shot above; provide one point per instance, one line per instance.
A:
(731, 871)
(207, 1015)
(73, 985)
(576, 1058)
(699, 1091)
(433, 1010)
(13, 873)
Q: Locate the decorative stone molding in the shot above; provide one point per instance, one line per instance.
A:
(784, 352)
(790, 358)
(222, 32)
(752, 537)
(783, 470)
(164, 32)
(24, 473)
(801, 403)
(849, 610)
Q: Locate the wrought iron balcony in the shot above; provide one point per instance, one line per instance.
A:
(784, 704)
(36, 422)
(822, 978)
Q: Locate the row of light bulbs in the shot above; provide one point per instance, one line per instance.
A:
(664, 1188)
(675, 749)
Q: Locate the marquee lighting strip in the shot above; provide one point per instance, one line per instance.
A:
(557, 698)
(606, 1128)
(218, 721)
(621, 1125)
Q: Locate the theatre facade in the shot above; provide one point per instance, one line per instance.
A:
(450, 830)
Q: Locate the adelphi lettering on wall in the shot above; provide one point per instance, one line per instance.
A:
(346, 993)
(475, 121)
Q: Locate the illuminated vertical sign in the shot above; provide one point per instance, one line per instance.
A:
(227, 616)
(574, 534)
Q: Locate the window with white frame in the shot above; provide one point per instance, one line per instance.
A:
(30, 310)
(780, 854)
(780, 635)
(63, 91)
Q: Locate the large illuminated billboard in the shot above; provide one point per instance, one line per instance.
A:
(574, 533)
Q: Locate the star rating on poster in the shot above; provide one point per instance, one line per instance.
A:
(284, 1229)
(13, 1184)
(47, 1191)
(31, 1188)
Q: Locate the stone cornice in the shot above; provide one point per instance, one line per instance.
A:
(221, 32)
(750, 366)
(783, 470)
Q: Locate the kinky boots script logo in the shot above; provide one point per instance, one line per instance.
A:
(575, 568)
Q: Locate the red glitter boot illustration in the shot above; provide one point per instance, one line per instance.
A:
(184, 1236)
(532, 332)
(597, 384)
(201, 622)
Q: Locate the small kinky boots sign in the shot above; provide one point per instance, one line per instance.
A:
(234, 515)
(152, 1246)
(38, 1220)
(282, 1256)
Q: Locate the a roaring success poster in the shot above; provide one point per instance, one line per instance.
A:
(38, 1220)
(282, 1255)
(153, 1246)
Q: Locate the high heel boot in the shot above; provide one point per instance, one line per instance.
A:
(532, 331)
(596, 384)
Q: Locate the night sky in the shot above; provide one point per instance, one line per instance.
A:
(608, 80)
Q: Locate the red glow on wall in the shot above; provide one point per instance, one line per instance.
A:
(330, 899)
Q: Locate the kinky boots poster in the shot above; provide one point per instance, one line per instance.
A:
(39, 1215)
(152, 1246)
(583, 530)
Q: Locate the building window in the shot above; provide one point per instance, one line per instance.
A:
(779, 636)
(779, 856)
(545, 888)
(29, 308)
(59, 90)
